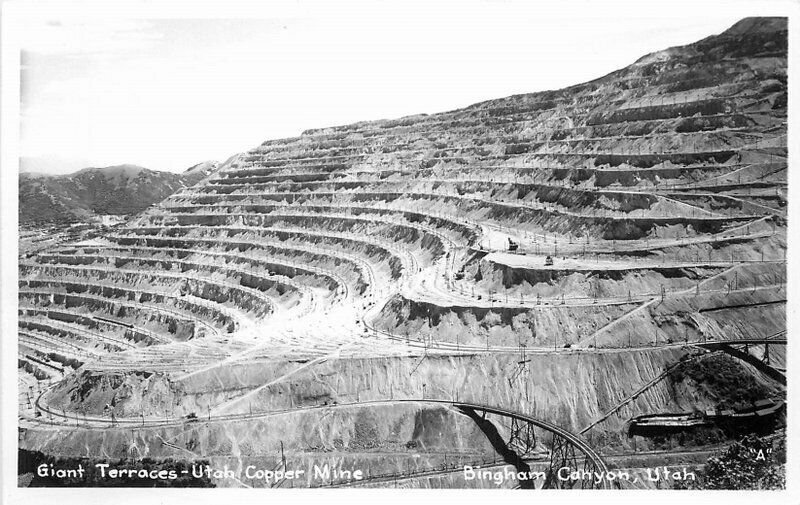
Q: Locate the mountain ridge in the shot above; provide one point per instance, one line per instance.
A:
(121, 190)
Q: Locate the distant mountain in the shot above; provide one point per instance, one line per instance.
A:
(90, 192)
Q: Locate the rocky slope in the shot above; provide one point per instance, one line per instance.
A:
(370, 262)
(115, 190)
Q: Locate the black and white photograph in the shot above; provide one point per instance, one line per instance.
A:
(427, 250)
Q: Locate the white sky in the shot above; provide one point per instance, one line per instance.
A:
(111, 87)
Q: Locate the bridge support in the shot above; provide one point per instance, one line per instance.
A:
(566, 455)
(564, 460)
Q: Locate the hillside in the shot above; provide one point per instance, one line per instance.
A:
(482, 286)
(116, 190)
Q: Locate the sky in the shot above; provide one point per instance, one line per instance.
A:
(166, 92)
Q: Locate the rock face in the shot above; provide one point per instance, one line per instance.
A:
(570, 255)
(117, 190)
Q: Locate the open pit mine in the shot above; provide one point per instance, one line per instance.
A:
(581, 288)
